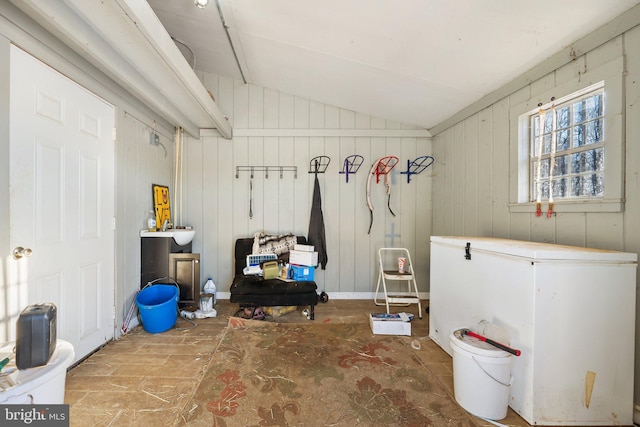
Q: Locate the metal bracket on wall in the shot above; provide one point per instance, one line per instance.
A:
(416, 166)
(351, 165)
(266, 169)
(319, 164)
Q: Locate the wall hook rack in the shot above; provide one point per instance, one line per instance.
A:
(266, 169)
(417, 166)
(384, 166)
(319, 164)
(351, 165)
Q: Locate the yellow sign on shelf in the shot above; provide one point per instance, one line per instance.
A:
(161, 204)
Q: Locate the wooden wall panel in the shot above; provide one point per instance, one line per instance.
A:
(501, 223)
(276, 129)
(347, 212)
(241, 110)
(138, 165)
(571, 229)
(485, 163)
(405, 222)
(631, 233)
(222, 215)
(283, 130)
(605, 230)
(286, 184)
(363, 264)
(457, 192)
(439, 170)
(245, 197)
(423, 194)
(302, 195)
(334, 213)
(256, 102)
(471, 167)
(271, 112)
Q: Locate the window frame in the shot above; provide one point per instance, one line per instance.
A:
(612, 74)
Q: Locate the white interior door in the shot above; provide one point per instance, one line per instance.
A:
(62, 201)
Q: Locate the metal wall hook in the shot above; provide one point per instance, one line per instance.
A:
(266, 169)
(351, 165)
(416, 166)
(319, 164)
(384, 166)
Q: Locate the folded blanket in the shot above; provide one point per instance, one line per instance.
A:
(273, 244)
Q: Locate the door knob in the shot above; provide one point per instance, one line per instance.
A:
(20, 252)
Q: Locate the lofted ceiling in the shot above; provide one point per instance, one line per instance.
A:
(413, 61)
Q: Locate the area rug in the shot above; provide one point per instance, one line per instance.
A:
(315, 374)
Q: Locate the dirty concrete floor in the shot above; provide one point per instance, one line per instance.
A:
(146, 379)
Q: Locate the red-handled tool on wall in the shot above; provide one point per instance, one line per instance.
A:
(492, 342)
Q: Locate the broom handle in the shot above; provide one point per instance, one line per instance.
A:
(494, 343)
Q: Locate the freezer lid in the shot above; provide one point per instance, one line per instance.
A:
(534, 250)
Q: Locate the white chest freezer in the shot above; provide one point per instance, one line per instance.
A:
(570, 310)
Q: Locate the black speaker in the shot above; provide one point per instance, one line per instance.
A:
(36, 335)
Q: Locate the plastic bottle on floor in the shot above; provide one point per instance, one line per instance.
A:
(210, 288)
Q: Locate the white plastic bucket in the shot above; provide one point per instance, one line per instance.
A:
(40, 385)
(481, 376)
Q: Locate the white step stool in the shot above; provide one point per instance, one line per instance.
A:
(387, 272)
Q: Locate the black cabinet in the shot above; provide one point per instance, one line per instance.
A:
(162, 257)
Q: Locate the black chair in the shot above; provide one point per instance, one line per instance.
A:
(255, 291)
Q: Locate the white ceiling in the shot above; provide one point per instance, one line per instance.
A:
(413, 61)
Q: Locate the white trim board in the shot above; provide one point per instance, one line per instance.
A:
(373, 133)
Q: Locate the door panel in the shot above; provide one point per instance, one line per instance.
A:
(62, 201)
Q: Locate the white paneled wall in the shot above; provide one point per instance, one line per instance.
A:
(472, 172)
(277, 129)
(138, 166)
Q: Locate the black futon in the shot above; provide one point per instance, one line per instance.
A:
(255, 291)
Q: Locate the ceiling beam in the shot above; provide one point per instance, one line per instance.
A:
(125, 40)
(228, 23)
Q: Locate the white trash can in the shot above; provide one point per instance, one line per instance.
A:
(481, 376)
(42, 385)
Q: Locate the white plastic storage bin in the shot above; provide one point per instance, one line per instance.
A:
(40, 385)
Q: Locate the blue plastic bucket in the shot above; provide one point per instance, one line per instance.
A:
(158, 307)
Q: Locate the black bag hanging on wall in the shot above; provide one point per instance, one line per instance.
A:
(316, 236)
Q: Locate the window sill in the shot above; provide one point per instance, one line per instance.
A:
(573, 206)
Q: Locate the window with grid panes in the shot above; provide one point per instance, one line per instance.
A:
(568, 148)
(578, 144)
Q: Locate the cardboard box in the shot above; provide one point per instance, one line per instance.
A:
(302, 273)
(303, 258)
(390, 324)
(303, 248)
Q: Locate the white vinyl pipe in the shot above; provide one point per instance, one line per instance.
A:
(181, 169)
(176, 173)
